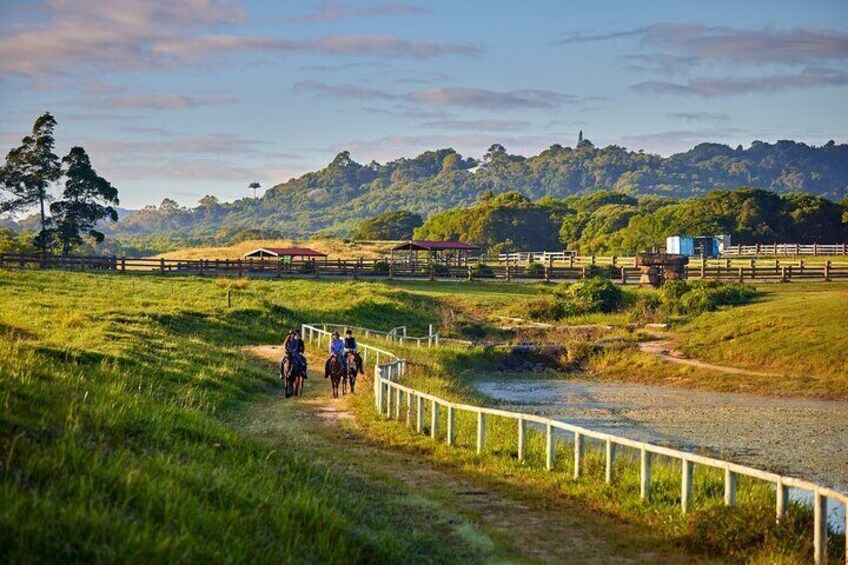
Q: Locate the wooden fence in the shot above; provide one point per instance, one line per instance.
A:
(791, 249)
(399, 402)
(621, 270)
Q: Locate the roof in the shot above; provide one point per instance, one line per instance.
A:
(285, 252)
(425, 245)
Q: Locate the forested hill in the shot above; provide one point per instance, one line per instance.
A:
(333, 199)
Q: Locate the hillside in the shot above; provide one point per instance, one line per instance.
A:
(333, 199)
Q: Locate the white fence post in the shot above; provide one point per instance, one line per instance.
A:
(645, 474)
(610, 459)
(419, 414)
(451, 424)
(686, 486)
(434, 419)
(481, 431)
(522, 432)
(782, 499)
(820, 527)
(550, 451)
(578, 454)
(730, 479)
(378, 388)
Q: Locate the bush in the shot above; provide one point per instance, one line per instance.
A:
(482, 271)
(592, 295)
(381, 268)
(535, 270)
(545, 309)
(695, 297)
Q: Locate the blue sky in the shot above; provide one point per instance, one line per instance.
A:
(197, 97)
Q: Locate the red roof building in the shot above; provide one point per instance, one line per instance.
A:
(284, 252)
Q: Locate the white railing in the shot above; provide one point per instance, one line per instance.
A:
(788, 249)
(535, 256)
(395, 335)
(390, 396)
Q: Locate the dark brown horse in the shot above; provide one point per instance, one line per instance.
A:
(352, 369)
(292, 376)
(337, 371)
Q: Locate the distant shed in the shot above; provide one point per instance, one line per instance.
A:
(285, 253)
(446, 251)
(708, 245)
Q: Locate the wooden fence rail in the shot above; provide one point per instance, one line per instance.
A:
(397, 401)
(795, 249)
(617, 269)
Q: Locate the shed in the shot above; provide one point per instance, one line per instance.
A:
(709, 245)
(447, 251)
(285, 253)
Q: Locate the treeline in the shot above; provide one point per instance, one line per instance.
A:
(615, 223)
(335, 199)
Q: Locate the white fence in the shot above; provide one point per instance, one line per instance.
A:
(535, 256)
(787, 249)
(390, 396)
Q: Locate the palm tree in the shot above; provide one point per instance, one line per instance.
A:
(254, 185)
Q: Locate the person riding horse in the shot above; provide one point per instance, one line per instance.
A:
(295, 348)
(336, 349)
(350, 349)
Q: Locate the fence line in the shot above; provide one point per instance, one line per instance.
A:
(788, 249)
(389, 396)
(620, 270)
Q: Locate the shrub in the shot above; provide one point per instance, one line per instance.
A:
(545, 309)
(535, 270)
(482, 271)
(694, 297)
(592, 295)
(381, 268)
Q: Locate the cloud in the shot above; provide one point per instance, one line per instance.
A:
(125, 35)
(160, 101)
(691, 43)
(479, 125)
(462, 97)
(334, 10)
(714, 87)
(700, 116)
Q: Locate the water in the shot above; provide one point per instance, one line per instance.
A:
(807, 439)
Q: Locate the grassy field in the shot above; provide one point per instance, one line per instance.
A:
(333, 247)
(795, 332)
(121, 432)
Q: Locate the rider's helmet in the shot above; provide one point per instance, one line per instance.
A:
(348, 332)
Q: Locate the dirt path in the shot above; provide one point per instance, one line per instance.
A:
(664, 349)
(501, 523)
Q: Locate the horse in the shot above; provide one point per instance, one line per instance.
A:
(337, 372)
(352, 370)
(291, 377)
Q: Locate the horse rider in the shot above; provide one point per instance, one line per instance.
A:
(295, 347)
(350, 349)
(336, 348)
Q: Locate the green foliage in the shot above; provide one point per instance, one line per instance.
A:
(592, 295)
(535, 270)
(82, 205)
(11, 242)
(505, 222)
(336, 198)
(390, 225)
(482, 271)
(695, 297)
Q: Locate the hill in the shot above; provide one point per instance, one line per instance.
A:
(331, 201)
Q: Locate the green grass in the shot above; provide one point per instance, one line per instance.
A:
(795, 332)
(116, 395)
(747, 532)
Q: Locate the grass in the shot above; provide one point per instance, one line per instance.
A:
(795, 332)
(746, 533)
(333, 247)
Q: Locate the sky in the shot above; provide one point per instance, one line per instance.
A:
(183, 99)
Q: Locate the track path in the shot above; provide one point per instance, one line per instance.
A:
(501, 522)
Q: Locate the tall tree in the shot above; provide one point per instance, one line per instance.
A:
(29, 171)
(85, 201)
(255, 186)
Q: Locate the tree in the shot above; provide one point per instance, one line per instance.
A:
(29, 171)
(84, 202)
(395, 225)
(255, 186)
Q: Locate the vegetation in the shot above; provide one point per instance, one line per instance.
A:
(335, 199)
(392, 225)
(27, 176)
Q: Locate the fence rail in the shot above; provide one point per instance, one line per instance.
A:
(394, 400)
(619, 269)
(795, 249)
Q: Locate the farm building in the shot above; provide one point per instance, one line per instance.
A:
(285, 253)
(708, 245)
(447, 252)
